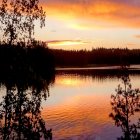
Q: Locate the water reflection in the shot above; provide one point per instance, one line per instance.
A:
(20, 110)
(125, 104)
(78, 107)
(80, 103)
(99, 74)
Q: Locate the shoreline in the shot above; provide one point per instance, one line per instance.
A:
(101, 67)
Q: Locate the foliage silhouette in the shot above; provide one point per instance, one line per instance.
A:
(125, 103)
(17, 18)
(26, 72)
(21, 114)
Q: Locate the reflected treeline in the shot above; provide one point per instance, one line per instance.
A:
(99, 74)
(125, 105)
(26, 72)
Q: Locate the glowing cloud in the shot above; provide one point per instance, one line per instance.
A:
(137, 36)
(116, 13)
(65, 42)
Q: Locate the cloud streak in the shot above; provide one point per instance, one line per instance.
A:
(65, 42)
(137, 36)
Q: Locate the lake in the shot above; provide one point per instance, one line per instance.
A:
(79, 104)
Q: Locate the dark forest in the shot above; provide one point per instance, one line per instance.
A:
(96, 57)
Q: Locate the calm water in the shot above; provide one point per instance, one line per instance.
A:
(79, 105)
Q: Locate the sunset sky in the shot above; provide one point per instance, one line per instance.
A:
(80, 24)
(84, 24)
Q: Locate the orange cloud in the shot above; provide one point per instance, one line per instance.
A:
(112, 13)
(137, 36)
(65, 42)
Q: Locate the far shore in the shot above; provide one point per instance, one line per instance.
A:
(97, 67)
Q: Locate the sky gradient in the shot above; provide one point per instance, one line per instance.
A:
(87, 24)
(80, 24)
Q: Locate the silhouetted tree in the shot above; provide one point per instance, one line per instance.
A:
(125, 103)
(17, 19)
(26, 71)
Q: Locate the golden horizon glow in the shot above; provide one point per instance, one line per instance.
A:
(67, 81)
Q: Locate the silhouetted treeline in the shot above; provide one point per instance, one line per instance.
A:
(22, 60)
(96, 56)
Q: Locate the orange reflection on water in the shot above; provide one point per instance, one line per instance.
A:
(68, 81)
(77, 115)
(81, 107)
